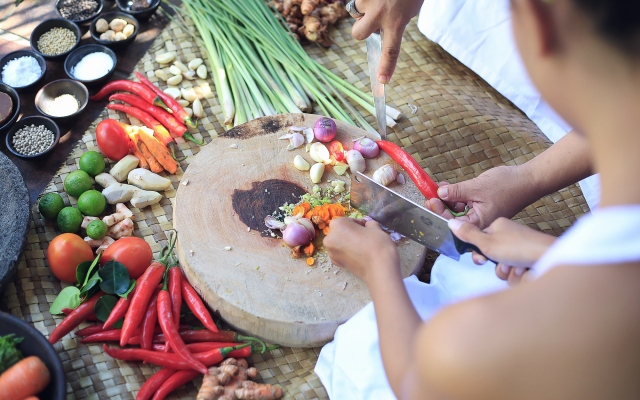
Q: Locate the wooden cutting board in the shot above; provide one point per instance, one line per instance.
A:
(250, 279)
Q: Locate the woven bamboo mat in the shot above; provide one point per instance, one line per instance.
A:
(456, 126)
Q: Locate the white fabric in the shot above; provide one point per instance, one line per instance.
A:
(606, 235)
(478, 33)
(350, 367)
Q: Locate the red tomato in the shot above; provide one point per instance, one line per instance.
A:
(112, 139)
(64, 254)
(132, 252)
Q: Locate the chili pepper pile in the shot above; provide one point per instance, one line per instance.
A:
(150, 318)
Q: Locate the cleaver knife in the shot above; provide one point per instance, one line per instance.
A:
(374, 54)
(397, 213)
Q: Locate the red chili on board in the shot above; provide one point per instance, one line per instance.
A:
(422, 180)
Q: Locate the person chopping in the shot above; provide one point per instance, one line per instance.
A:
(570, 331)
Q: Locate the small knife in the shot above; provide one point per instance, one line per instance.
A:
(399, 214)
(374, 54)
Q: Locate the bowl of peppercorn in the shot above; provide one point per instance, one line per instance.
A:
(141, 9)
(54, 38)
(9, 107)
(32, 137)
(79, 11)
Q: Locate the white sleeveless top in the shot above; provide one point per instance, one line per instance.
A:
(609, 235)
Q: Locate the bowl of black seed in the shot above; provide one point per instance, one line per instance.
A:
(79, 11)
(32, 137)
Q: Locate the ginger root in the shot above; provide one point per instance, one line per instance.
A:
(232, 381)
(121, 229)
(310, 19)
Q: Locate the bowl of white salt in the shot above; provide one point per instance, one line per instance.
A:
(22, 69)
(62, 100)
(91, 64)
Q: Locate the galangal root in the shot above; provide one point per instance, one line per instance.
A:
(232, 381)
(310, 19)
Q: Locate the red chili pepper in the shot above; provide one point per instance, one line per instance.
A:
(146, 285)
(197, 307)
(241, 353)
(173, 360)
(204, 335)
(175, 289)
(153, 384)
(90, 330)
(128, 86)
(176, 108)
(176, 380)
(422, 180)
(92, 317)
(77, 316)
(166, 119)
(170, 330)
(149, 323)
(160, 132)
(200, 347)
(120, 309)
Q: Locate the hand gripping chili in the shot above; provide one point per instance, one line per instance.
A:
(420, 178)
(77, 316)
(173, 125)
(120, 309)
(176, 380)
(146, 285)
(149, 323)
(160, 132)
(175, 107)
(153, 384)
(133, 87)
(197, 307)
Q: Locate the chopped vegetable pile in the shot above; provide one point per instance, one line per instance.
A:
(9, 354)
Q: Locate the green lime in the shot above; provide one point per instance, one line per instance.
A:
(92, 163)
(69, 220)
(50, 205)
(92, 203)
(97, 229)
(77, 182)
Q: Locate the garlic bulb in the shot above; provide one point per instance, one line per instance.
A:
(385, 174)
(316, 172)
(356, 161)
(319, 153)
(300, 163)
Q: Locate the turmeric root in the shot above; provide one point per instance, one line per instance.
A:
(232, 381)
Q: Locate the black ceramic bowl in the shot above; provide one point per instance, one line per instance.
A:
(52, 90)
(83, 20)
(35, 344)
(125, 6)
(78, 54)
(33, 120)
(16, 106)
(116, 45)
(25, 53)
(46, 26)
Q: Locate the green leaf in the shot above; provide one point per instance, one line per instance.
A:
(132, 285)
(9, 353)
(69, 297)
(104, 305)
(115, 278)
(118, 323)
(91, 286)
(85, 270)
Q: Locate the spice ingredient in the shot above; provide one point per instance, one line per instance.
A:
(76, 10)
(92, 66)
(61, 106)
(56, 41)
(6, 107)
(139, 5)
(21, 71)
(32, 139)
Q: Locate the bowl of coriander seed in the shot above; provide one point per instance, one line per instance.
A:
(55, 38)
(32, 137)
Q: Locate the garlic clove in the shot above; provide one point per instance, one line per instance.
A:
(316, 172)
(165, 58)
(189, 111)
(356, 161)
(198, 111)
(180, 65)
(173, 92)
(175, 70)
(385, 174)
(174, 80)
(300, 163)
(202, 72)
(183, 103)
(190, 75)
(319, 153)
(160, 74)
(189, 94)
(195, 63)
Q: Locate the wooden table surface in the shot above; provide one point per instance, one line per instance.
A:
(15, 30)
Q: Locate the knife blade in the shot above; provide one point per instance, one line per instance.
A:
(374, 54)
(400, 214)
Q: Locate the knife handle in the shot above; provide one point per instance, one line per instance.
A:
(464, 247)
